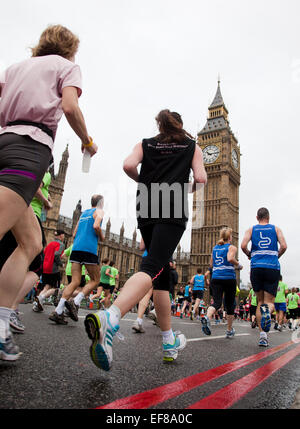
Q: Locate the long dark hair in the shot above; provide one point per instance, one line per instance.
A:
(170, 127)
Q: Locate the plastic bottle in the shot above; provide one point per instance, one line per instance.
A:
(86, 161)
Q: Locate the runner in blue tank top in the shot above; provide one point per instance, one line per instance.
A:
(198, 282)
(224, 264)
(265, 267)
(84, 252)
(187, 299)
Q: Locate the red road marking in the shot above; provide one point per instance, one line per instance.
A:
(226, 397)
(168, 391)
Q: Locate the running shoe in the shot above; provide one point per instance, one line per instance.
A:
(72, 309)
(265, 318)
(253, 324)
(192, 315)
(152, 315)
(279, 328)
(263, 342)
(170, 351)
(100, 330)
(9, 351)
(181, 315)
(230, 334)
(205, 325)
(56, 296)
(39, 307)
(290, 325)
(58, 318)
(276, 326)
(15, 322)
(138, 327)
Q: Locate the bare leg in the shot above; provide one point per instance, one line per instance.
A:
(162, 307)
(30, 280)
(76, 279)
(143, 304)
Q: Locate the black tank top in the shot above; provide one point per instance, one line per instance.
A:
(162, 195)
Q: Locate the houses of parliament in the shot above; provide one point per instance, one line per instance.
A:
(219, 204)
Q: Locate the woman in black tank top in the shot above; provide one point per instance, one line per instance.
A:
(162, 200)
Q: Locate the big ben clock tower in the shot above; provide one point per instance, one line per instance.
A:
(221, 156)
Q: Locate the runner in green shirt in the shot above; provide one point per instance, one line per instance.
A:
(42, 197)
(113, 275)
(67, 253)
(253, 307)
(292, 302)
(280, 304)
(104, 280)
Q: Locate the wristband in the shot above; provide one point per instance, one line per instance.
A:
(89, 144)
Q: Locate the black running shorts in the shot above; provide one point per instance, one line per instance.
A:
(52, 279)
(198, 294)
(265, 279)
(23, 163)
(84, 258)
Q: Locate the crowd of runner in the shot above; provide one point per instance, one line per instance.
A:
(50, 83)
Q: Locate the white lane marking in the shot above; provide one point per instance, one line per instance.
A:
(213, 338)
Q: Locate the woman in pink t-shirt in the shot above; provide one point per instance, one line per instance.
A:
(34, 94)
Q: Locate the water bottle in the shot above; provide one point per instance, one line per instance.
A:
(86, 161)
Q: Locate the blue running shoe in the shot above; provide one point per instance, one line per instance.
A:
(230, 334)
(170, 351)
(101, 332)
(265, 318)
(206, 325)
(263, 342)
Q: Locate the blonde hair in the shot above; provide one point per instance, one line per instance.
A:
(225, 235)
(56, 40)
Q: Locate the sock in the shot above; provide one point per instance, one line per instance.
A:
(41, 298)
(4, 322)
(79, 298)
(139, 320)
(61, 306)
(114, 315)
(263, 335)
(168, 337)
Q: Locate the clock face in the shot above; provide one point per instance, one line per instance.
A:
(210, 154)
(234, 157)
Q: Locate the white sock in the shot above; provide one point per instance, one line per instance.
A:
(263, 334)
(61, 306)
(168, 337)
(41, 298)
(79, 298)
(139, 320)
(114, 315)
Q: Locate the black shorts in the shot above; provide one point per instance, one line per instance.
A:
(52, 279)
(265, 279)
(107, 287)
(84, 258)
(161, 240)
(253, 310)
(226, 287)
(198, 294)
(8, 245)
(188, 299)
(293, 313)
(82, 282)
(23, 163)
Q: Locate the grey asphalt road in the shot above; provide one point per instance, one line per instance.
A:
(55, 370)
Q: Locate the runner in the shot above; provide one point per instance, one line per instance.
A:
(292, 300)
(84, 252)
(51, 276)
(265, 267)
(280, 303)
(113, 274)
(26, 142)
(166, 161)
(253, 307)
(187, 299)
(104, 280)
(197, 281)
(223, 263)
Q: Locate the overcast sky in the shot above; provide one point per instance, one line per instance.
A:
(140, 56)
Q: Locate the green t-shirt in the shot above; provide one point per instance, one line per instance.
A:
(37, 204)
(68, 252)
(292, 300)
(253, 298)
(103, 277)
(113, 272)
(282, 288)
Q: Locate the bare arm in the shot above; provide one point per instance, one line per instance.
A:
(75, 117)
(98, 216)
(231, 257)
(142, 245)
(132, 161)
(246, 240)
(282, 242)
(199, 172)
(75, 230)
(39, 195)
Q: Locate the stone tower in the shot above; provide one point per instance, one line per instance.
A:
(221, 154)
(56, 190)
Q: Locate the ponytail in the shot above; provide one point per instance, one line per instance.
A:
(225, 234)
(170, 126)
